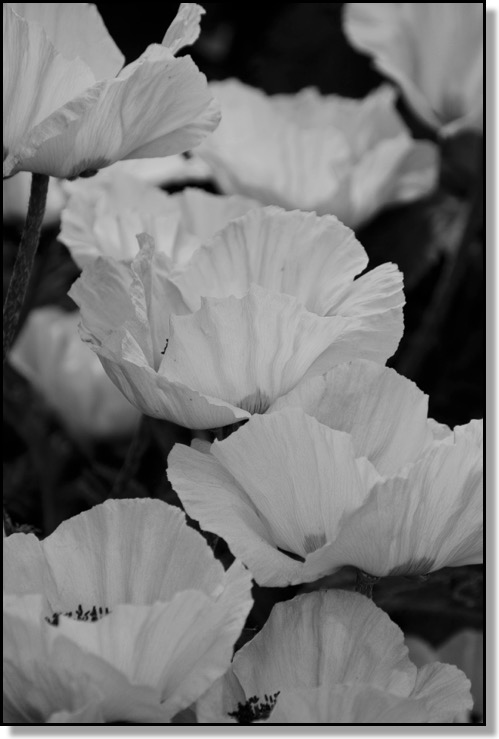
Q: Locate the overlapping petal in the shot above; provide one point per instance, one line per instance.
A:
(104, 215)
(287, 482)
(65, 117)
(332, 155)
(338, 644)
(174, 615)
(433, 51)
(236, 355)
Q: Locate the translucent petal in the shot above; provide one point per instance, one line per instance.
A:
(157, 106)
(76, 30)
(385, 414)
(185, 27)
(44, 93)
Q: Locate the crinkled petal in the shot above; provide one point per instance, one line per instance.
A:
(429, 517)
(179, 648)
(212, 496)
(44, 93)
(346, 704)
(321, 638)
(185, 28)
(76, 30)
(313, 258)
(157, 106)
(110, 555)
(385, 414)
(466, 650)
(446, 691)
(251, 350)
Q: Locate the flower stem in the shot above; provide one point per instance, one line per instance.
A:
(365, 584)
(25, 258)
(132, 461)
(428, 334)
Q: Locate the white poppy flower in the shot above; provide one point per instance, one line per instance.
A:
(328, 154)
(465, 650)
(295, 501)
(70, 377)
(122, 614)
(269, 300)
(433, 51)
(332, 657)
(105, 213)
(68, 109)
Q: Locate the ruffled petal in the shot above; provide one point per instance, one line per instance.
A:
(157, 106)
(319, 639)
(76, 30)
(313, 258)
(178, 648)
(212, 496)
(110, 555)
(428, 518)
(249, 351)
(44, 94)
(185, 28)
(446, 691)
(385, 414)
(346, 704)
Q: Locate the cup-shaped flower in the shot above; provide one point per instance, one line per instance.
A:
(122, 613)
(329, 154)
(70, 377)
(432, 51)
(69, 110)
(295, 502)
(332, 657)
(105, 213)
(269, 300)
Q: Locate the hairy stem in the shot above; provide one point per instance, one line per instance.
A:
(25, 258)
(365, 584)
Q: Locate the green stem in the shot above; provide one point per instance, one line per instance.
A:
(25, 258)
(365, 584)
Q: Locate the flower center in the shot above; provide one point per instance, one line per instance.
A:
(93, 614)
(254, 709)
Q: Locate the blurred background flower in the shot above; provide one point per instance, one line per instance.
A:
(350, 158)
(70, 377)
(432, 51)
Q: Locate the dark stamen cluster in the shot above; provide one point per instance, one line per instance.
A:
(94, 614)
(255, 709)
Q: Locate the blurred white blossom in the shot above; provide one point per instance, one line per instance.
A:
(297, 499)
(69, 110)
(51, 355)
(465, 650)
(432, 51)
(269, 300)
(350, 158)
(105, 213)
(332, 657)
(122, 614)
